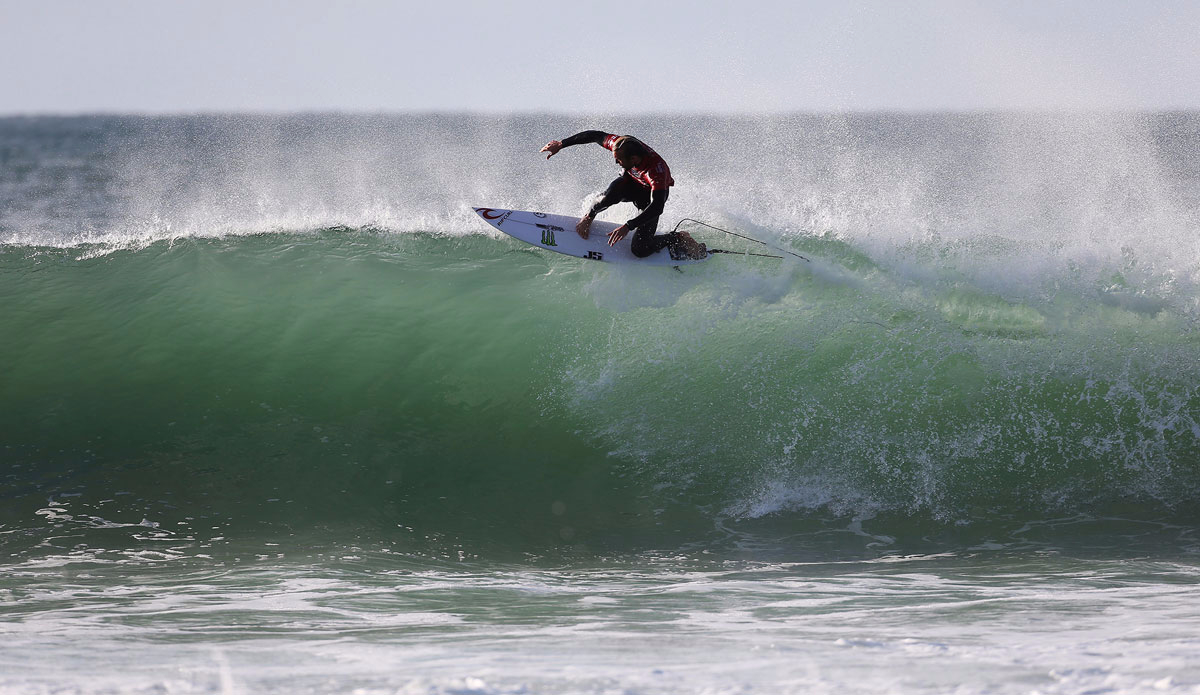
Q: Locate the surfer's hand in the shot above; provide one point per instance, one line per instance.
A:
(553, 147)
(617, 234)
(583, 226)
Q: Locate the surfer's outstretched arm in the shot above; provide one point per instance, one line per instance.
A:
(593, 136)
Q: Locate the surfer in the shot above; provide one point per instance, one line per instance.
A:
(646, 183)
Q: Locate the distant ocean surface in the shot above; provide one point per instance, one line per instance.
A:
(280, 414)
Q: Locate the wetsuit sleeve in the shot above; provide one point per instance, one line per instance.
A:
(600, 206)
(593, 136)
(658, 199)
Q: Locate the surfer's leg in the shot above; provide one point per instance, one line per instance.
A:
(638, 194)
(623, 189)
(681, 244)
(645, 243)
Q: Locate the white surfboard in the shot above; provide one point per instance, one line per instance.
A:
(557, 233)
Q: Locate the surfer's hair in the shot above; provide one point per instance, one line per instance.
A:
(627, 144)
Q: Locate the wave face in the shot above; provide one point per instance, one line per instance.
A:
(219, 327)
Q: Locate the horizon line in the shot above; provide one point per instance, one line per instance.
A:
(171, 113)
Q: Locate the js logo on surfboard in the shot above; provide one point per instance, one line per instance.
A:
(548, 234)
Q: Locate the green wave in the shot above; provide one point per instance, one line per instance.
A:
(417, 387)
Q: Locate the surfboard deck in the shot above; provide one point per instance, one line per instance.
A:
(557, 233)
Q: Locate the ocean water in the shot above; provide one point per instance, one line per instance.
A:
(279, 414)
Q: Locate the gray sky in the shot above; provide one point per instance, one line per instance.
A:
(67, 56)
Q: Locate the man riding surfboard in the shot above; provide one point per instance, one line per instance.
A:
(646, 183)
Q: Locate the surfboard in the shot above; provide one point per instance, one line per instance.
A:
(557, 233)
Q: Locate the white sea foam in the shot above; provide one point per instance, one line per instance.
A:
(918, 625)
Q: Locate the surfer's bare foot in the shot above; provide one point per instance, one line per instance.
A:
(584, 226)
(692, 248)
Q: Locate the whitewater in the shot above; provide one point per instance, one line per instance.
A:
(280, 414)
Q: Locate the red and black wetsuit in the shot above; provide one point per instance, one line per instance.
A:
(646, 186)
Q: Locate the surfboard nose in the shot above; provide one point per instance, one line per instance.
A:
(490, 213)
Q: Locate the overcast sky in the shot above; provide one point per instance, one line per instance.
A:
(69, 56)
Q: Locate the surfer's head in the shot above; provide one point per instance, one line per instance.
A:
(629, 151)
